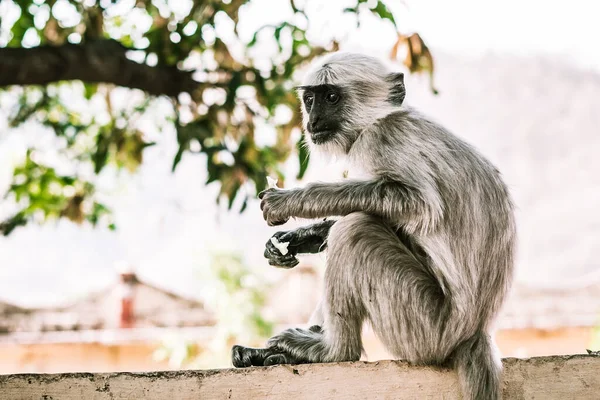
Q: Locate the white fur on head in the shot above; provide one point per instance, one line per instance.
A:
(345, 67)
(367, 81)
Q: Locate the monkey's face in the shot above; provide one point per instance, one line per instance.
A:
(323, 109)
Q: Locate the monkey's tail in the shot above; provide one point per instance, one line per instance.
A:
(479, 369)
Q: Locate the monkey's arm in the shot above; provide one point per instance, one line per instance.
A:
(304, 240)
(414, 208)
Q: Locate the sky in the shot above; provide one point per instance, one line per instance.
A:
(169, 223)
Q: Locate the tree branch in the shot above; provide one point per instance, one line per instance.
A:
(98, 61)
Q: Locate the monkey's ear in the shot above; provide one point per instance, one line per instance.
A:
(397, 89)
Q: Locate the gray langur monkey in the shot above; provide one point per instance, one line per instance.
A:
(424, 245)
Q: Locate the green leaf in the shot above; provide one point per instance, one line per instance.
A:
(232, 194)
(177, 158)
(100, 157)
(244, 204)
(384, 12)
(303, 157)
(10, 224)
(90, 90)
(232, 86)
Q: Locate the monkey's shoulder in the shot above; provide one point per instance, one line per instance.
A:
(407, 120)
(398, 129)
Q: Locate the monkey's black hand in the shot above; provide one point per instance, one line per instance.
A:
(274, 254)
(274, 206)
(310, 239)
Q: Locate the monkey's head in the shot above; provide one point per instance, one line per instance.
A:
(343, 94)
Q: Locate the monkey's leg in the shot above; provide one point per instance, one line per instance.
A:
(341, 309)
(317, 318)
(370, 274)
(304, 240)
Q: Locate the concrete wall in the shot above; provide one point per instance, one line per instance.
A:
(547, 378)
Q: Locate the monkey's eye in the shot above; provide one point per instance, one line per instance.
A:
(333, 97)
(308, 100)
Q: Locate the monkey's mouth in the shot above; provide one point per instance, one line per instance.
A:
(321, 136)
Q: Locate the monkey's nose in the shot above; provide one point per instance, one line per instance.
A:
(312, 124)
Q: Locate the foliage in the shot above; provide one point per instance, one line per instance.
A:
(219, 119)
(54, 195)
(238, 300)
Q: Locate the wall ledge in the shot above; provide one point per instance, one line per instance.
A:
(552, 377)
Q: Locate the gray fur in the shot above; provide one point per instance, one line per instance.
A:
(425, 244)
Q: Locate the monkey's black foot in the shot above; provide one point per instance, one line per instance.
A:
(242, 357)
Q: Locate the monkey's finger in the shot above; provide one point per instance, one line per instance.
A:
(288, 259)
(277, 359)
(273, 252)
(278, 258)
(271, 222)
(295, 237)
(284, 263)
(279, 234)
(262, 194)
(291, 237)
(297, 240)
(266, 212)
(269, 244)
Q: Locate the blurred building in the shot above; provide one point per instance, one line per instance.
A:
(116, 329)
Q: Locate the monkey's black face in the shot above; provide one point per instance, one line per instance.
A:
(324, 104)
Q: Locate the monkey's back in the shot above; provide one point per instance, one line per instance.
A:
(471, 247)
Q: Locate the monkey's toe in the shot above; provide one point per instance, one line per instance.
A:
(277, 359)
(239, 357)
(242, 357)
